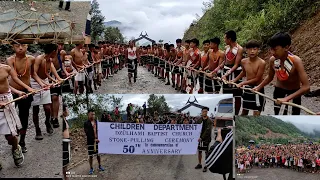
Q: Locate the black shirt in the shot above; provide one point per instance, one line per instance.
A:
(88, 128)
(128, 110)
(104, 118)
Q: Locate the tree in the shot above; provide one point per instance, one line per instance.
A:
(116, 102)
(97, 21)
(157, 103)
(207, 6)
(113, 35)
(77, 106)
(251, 19)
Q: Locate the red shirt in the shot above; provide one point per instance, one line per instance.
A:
(116, 111)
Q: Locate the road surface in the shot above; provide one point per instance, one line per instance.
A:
(134, 167)
(146, 84)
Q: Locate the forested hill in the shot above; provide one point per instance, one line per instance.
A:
(267, 129)
(251, 19)
(260, 19)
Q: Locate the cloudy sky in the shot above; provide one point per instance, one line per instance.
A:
(162, 19)
(304, 123)
(177, 101)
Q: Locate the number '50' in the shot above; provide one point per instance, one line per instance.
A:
(127, 149)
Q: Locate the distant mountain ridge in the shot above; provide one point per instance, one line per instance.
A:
(267, 129)
(118, 24)
(112, 23)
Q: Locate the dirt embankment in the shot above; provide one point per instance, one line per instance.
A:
(306, 45)
(78, 146)
(271, 135)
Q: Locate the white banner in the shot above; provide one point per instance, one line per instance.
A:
(148, 139)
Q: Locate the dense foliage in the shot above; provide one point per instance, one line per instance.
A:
(113, 35)
(79, 104)
(251, 19)
(97, 26)
(157, 103)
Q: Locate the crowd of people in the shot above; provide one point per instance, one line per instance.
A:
(141, 115)
(297, 157)
(32, 82)
(184, 67)
(92, 65)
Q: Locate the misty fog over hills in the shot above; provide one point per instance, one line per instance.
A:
(312, 129)
(123, 27)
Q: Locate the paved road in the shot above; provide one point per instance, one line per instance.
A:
(147, 84)
(134, 167)
(43, 159)
(277, 174)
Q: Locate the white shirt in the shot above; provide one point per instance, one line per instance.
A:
(132, 53)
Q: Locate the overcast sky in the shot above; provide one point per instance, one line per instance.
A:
(162, 19)
(177, 101)
(304, 123)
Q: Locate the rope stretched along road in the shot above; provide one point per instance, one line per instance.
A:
(173, 65)
(235, 84)
(56, 84)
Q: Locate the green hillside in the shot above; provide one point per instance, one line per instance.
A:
(251, 19)
(268, 129)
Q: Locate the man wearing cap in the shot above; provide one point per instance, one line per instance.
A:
(205, 136)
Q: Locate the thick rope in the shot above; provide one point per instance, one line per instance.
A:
(243, 88)
(56, 84)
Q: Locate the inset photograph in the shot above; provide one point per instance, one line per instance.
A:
(277, 147)
(30, 106)
(40, 22)
(186, 136)
(268, 70)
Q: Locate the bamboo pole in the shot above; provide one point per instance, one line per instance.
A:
(55, 84)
